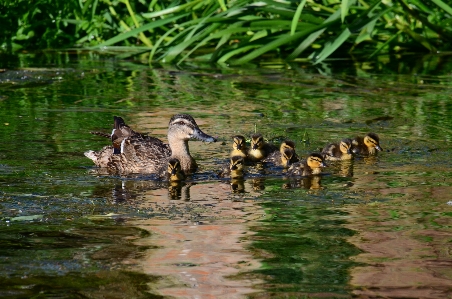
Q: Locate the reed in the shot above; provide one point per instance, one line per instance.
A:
(230, 32)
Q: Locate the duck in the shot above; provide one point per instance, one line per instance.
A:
(235, 168)
(286, 155)
(311, 166)
(259, 148)
(238, 146)
(367, 145)
(338, 151)
(145, 154)
(120, 132)
(174, 171)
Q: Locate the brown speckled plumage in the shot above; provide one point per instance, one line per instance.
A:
(145, 154)
(311, 166)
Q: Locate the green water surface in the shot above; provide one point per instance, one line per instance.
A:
(375, 227)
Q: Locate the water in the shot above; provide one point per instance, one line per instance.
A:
(376, 227)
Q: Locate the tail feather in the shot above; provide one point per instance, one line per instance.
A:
(101, 134)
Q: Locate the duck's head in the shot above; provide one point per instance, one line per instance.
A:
(287, 144)
(120, 132)
(315, 160)
(239, 142)
(371, 140)
(184, 127)
(346, 146)
(175, 170)
(236, 163)
(257, 141)
(286, 157)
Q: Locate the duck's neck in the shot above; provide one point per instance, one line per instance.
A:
(180, 150)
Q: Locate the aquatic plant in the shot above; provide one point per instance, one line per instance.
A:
(233, 32)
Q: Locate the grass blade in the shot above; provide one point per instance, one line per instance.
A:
(330, 48)
(444, 6)
(136, 31)
(296, 17)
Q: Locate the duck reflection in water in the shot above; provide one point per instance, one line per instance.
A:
(238, 185)
(309, 182)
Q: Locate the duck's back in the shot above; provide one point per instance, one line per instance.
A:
(141, 155)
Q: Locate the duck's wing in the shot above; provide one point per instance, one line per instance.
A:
(297, 169)
(141, 155)
(274, 157)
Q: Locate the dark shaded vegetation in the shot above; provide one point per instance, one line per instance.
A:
(229, 31)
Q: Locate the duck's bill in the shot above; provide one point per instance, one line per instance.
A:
(379, 148)
(200, 135)
(323, 164)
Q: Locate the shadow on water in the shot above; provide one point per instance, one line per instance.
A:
(373, 227)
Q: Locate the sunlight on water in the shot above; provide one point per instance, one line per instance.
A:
(372, 227)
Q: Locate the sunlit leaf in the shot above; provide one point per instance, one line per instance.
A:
(330, 48)
(296, 17)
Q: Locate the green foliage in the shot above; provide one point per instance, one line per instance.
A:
(233, 32)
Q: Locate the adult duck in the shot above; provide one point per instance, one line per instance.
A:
(140, 153)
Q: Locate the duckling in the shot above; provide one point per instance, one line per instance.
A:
(234, 169)
(311, 166)
(286, 155)
(145, 154)
(174, 171)
(337, 152)
(259, 148)
(367, 145)
(238, 146)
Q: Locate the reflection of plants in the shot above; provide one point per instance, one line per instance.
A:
(231, 31)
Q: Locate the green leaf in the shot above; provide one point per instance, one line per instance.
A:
(283, 39)
(136, 31)
(330, 48)
(222, 5)
(443, 5)
(296, 17)
(331, 21)
(345, 5)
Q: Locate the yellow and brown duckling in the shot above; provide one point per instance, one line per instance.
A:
(259, 148)
(235, 169)
(145, 154)
(367, 145)
(338, 151)
(174, 172)
(311, 166)
(286, 155)
(239, 146)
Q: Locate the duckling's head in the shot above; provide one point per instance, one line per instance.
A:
(184, 127)
(346, 146)
(288, 144)
(175, 170)
(286, 157)
(257, 141)
(371, 140)
(315, 160)
(239, 142)
(236, 163)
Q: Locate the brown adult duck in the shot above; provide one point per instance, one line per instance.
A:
(338, 151)
(311, 166)
(367, 145)
(145, 154)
